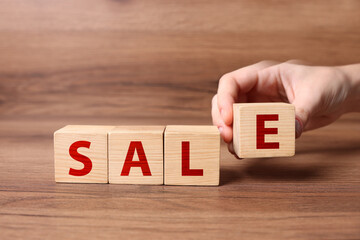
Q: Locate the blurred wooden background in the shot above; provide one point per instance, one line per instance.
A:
(158, 62)
(107, 58)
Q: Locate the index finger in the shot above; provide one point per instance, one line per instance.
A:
(233, 86)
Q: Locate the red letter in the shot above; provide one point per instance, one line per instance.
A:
(142, 159)
(81, 158)
(186, 171)
(261, 131)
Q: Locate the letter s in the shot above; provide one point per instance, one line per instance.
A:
(81, 158)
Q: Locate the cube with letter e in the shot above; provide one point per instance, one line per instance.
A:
(263, 130)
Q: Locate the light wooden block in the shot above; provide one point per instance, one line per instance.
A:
(141, 147)
(264, 130)
(68, 169)
(200, 166)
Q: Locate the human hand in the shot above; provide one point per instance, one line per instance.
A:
(320, 94)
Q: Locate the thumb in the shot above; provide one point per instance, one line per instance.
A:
(302, 115)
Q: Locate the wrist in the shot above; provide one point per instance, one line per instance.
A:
(352, 76)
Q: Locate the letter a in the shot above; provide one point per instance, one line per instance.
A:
(129, 163)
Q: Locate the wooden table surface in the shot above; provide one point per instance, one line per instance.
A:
(313, 195)
(158, 62)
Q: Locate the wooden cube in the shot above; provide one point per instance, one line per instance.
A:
(264, 130)
(81, 154)
(136, 155)
(191, 155)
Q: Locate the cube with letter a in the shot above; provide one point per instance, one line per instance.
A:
(191, 155)
(81, 154)
(263, 130)
(136, 155)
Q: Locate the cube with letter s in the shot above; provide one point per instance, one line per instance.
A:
(81, 154)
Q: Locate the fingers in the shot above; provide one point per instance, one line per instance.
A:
(233, 86)
(303, 109)
(216, 118)
(299, 127)
(225, 130)
(320, 121)
(303, 100)
(258, 82)
(227, 94)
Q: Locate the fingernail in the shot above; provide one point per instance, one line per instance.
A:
(298, 128)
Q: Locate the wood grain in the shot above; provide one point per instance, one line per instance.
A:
(203, 148)
(316, 193)
(155, 54)
(126, 62)
(97, 151)
(245, 133)
(152, 144)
